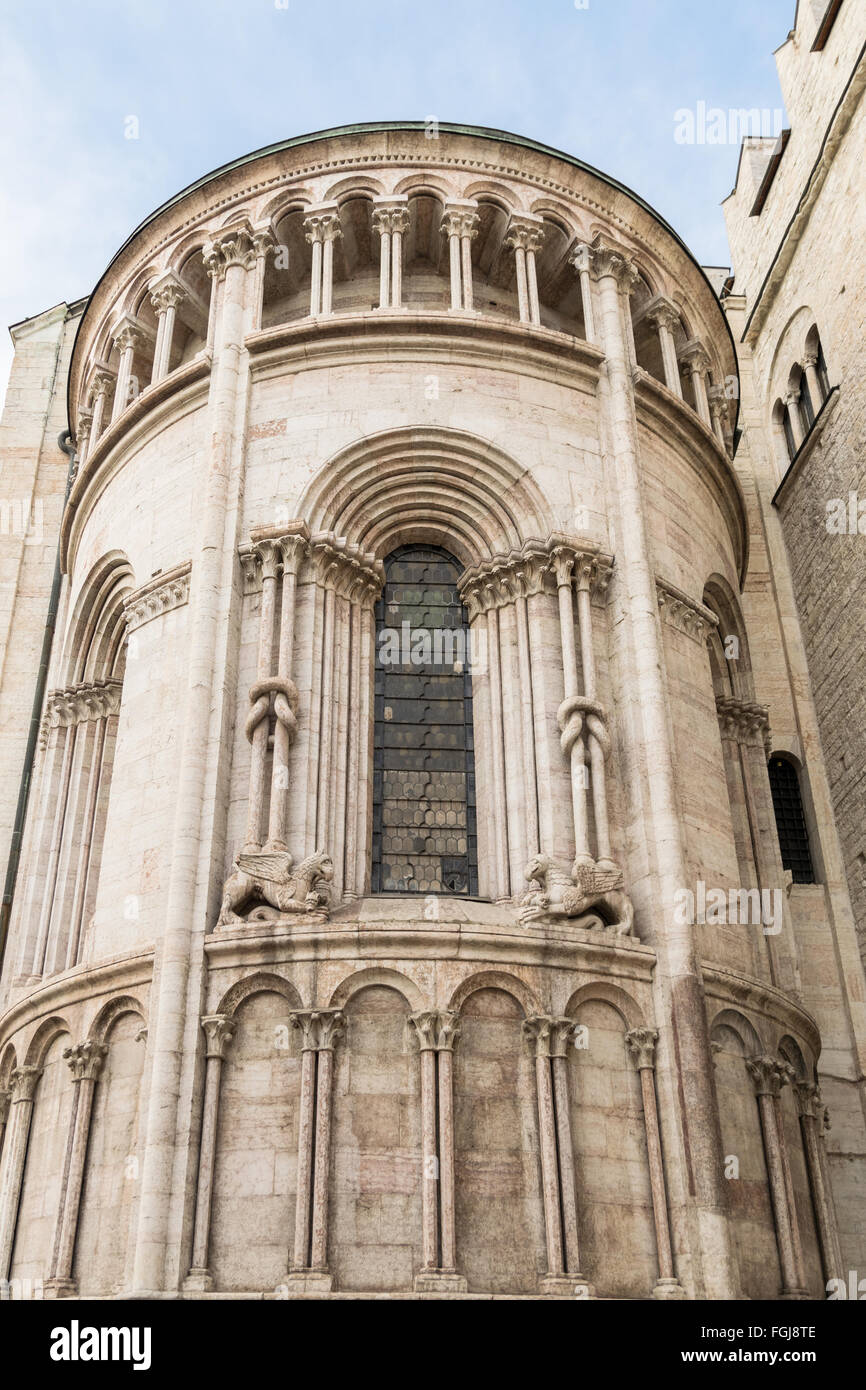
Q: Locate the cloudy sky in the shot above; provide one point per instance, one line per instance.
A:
(208, 80)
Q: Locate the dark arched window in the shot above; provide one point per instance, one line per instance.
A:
(790, 821)
(424, 837)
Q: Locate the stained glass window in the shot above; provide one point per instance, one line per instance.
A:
(424, 838)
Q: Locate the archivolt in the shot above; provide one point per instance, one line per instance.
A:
(437, 486)
(97, 630)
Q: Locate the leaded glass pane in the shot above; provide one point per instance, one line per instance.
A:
(424, 838)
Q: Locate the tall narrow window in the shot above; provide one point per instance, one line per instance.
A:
(790, 821)
(424, 838)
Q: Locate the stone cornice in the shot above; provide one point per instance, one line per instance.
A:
(80, 985)
(162, 593)
(684, 613)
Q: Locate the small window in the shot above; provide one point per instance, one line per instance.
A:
(424, 838)
(823, 375)
(807, 412)
(790, 821)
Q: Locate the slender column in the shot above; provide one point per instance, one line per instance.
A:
(321, 229)
(391, 220)
(219, 1030)
(524, 236)
(320, 1029)
(570, 715)
(665, 315)
(694, 1122)
(5, 1102)
(331, 230)
(641, 1046)
(527, 721)
(127, 336)
(315, 273)
(768, 1077)
(331, 1026)
(538, 1030)
(166, 294)
(792, 406)
(83, 433)
(813, 380)
(516, 241)
(263, 241)
(596, 720)
(23, 1088)
(435, 1033)
(496, 737)
(810, 1106)
(81, 879)
(258, 719)
(696, 362)
(39, 959)
(364, 726)
(561, 1036)
(85, 1061)
(788, 1074)
(102, 381)
(580, 259)
(292, 549)
(460, 224)
(719, 412)
(382, 225)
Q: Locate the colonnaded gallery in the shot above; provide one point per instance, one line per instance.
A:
(443, 758)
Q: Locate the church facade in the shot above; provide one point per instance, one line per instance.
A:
(407, 901)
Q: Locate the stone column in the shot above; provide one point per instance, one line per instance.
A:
(580, 259)
(219, 1030)
(641, 1045)
(694, 1124)
(571, 712)
(666, 317)
(320, 1029)
(391, 220)
(127, 335)
(102, 382)
(524, 236)
(719, 413)
(259, 718)
(768, 1077)
(792, 406)
(812, 1114)
(788, 1074)
(436, 1032)
(321, 228)
(83, 433)
(5, 1102)
(696, 361)
(813, 380)
(23, 1090)
(587, 574)
(293, 550)
(382, 225)
(549, 1036)
(460, 224)
(166, 294)
(85, 1062)
(214, 604)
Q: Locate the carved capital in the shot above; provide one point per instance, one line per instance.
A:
(85, 1059)
(524, 231)
(167, 292)
(22, 1083)
(323, 224)
(460, 219)
(102, 382)
(603, 257)
(684, 613)
(319, 1028)
(80, 703)
(695, 358)
(549, 1037)
(743, 722)
(351, 572)
(219, 1029)
(768, 1074)
(661, 311)
(436, 1030)
(232, 246)
(127, 332)
(641, 1047)
(390, 216)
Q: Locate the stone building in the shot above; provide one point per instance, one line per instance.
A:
(797, 225)
(400, 906)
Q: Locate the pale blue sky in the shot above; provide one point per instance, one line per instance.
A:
(210, 80)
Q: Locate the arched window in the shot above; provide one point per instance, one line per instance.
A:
(424, 838)
(805, 406)
(790, 821)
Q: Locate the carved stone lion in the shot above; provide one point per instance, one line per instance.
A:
(558, 894)
(268, 875)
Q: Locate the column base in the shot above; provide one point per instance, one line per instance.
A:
(566, 1286)
(439, 1281)
(669, 1289)
(198, 1281)
(60, 1288)
(308, 1281)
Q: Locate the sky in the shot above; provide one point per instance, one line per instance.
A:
(209, 80)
